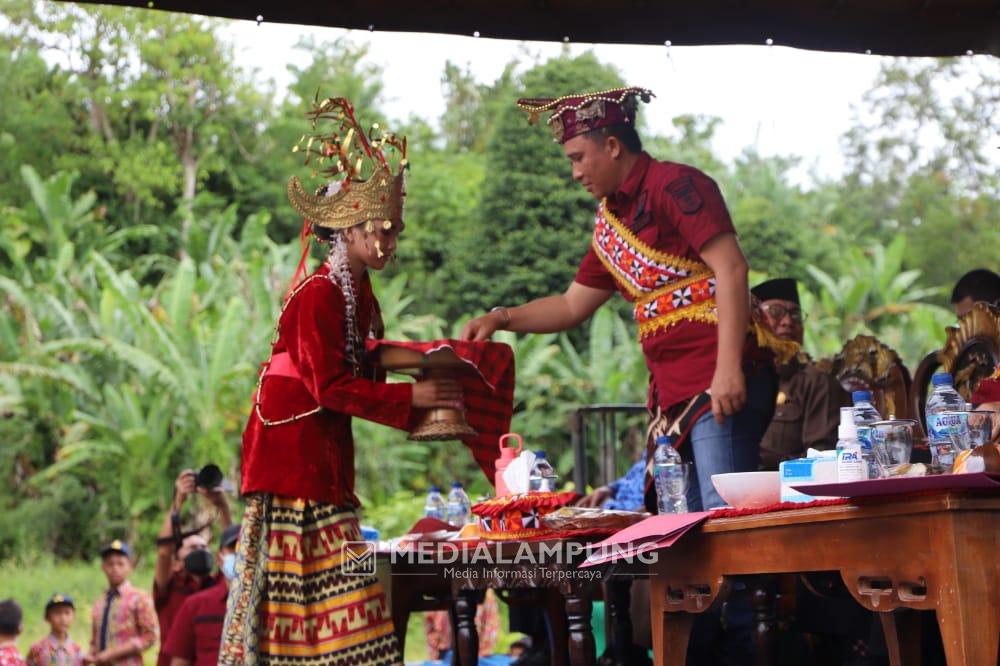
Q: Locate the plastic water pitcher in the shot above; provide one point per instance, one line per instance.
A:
(508, 454)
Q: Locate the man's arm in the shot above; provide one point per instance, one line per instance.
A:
(165, 547)
(732, 296)
(550, 314)
(217, 496)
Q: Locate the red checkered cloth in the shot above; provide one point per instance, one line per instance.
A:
(489, 393)
(732, 512)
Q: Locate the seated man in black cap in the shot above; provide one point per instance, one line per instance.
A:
(196, 634)
(807, 407)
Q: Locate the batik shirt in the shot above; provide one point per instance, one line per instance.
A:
(50, 651)
(130, 619)
(9, 656)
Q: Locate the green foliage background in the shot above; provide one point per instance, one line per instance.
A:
(145, 242)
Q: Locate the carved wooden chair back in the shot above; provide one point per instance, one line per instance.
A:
(866, 364)
(971, 353)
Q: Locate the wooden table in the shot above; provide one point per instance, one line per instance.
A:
(562, 590)
(930, 552)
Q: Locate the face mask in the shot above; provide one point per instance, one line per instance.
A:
(229, 566)
(198, 562)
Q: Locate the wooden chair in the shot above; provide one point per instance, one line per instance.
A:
(865, 364)
(970, 353)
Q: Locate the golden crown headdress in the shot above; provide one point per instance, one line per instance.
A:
(367, 170)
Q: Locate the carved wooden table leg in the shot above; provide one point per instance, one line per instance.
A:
(617, 605)
(555, 612)
(967, 609)
(468, 636)
(902, 637)
(671, 632)
(402, 600)
(581, 635)
(761, 590)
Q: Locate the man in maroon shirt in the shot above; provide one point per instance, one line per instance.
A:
(196, 634)
(185, 568)
(663, 239)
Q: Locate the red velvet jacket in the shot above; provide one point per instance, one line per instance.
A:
(313, 458)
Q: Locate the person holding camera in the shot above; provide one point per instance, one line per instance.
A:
(183, 560)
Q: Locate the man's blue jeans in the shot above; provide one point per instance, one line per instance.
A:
(733, 445)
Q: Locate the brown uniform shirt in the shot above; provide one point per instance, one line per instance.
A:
(806, 414)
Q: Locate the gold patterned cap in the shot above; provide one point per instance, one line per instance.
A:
(117, 546)
(578, 114)
(364, 169)
(59, 600)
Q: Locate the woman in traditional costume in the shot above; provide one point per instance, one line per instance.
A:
(296, 599)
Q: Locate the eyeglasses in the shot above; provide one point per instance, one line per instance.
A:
(778, 312)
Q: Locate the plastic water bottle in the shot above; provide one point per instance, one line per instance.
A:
(669, 474)
(459, 505)
(434, 507)
(944, 399)
(864, 415)
(543, 478)
(851, 465)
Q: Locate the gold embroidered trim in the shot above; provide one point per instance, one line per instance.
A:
(260, 379)
(703, 312)
(648, 252)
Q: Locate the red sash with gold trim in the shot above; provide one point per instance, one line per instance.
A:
(667, 288)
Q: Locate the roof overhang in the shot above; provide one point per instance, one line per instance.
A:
(886, 27)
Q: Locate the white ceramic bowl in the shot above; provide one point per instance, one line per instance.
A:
(748, 490)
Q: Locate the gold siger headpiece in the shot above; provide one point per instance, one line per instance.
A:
(370, 186)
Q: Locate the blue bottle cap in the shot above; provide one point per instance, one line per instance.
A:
(539, 454)
(861, 396)
(942, 379)
(456, 484)
(664, 439)
(435, 489)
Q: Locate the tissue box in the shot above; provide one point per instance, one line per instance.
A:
(805, 470)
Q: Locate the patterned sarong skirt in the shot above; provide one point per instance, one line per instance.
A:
(298, 598)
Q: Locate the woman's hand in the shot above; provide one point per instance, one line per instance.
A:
(432, 393)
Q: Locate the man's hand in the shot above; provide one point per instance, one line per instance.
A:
(431, 393)
(184, 486)
(481, 328)
(597, 498)
(728, 391)
(217, 496)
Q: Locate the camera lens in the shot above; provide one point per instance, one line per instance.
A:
(209, 477)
